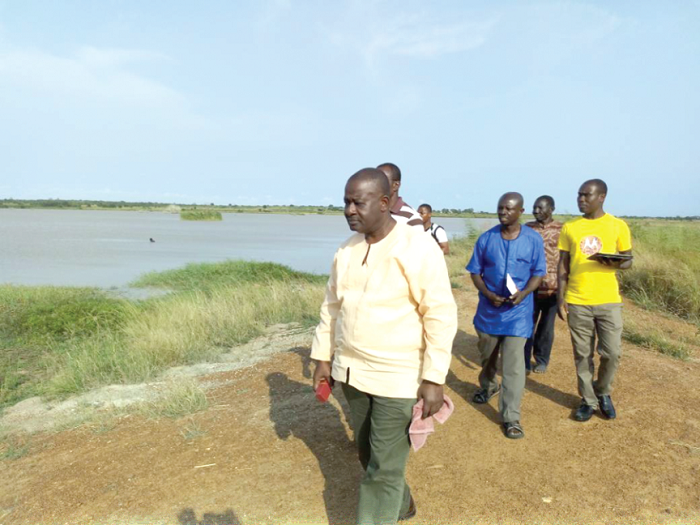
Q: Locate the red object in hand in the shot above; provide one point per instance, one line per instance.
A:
(323, 392)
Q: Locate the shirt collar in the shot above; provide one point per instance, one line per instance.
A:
(399, 204)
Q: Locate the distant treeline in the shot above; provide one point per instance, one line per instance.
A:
(230, 208)
(65, 204)
(77, 204)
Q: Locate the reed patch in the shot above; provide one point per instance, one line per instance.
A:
(58, 341)
(200, 215)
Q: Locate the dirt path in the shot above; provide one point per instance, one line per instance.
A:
(267, 452)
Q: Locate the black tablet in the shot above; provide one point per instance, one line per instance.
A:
(612, 256)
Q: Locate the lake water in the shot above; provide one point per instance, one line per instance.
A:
(112, 248)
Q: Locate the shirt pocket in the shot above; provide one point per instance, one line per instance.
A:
(520, 270)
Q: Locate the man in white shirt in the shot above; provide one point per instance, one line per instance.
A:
(436, 231)
(387, 325)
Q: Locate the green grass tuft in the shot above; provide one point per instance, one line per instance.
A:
(181, 398)
(13, 447)
(656, 341)
(192, 430)
(200, 215)
(208, 276)
(41, 313)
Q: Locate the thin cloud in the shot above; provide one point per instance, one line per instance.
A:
(414, 38)
(415, 35)
(113, 57)
(272, 11)
(91, 72)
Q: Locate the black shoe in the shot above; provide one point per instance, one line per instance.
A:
(410, 512)
(482, 396)
(584, 412)
(606, 407)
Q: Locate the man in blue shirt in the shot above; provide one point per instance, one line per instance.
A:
(507, 265)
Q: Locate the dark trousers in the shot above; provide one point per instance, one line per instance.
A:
(381, 426)
(543, 332)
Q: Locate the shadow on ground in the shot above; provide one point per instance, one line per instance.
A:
(465, 351)
(295, 412)
(189, 517)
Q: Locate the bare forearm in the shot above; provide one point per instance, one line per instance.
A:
(563, 274)
(624, 265)
(561, 287)
(479, 284)
(563, 281)
(533, 284)
(495, 299)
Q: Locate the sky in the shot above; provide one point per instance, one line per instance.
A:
(280, 101)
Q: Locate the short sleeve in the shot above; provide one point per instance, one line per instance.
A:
(476, 265)
(441, 234)
(624, 237)
(564, 243)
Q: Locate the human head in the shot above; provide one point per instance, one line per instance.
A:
(543, 208)
(393, 173)
(510, 208)
(426, 213)
(591, 196)
(367, 201)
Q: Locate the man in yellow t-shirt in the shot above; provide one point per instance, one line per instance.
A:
(589, 295)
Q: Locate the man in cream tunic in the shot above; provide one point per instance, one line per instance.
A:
(387, 323)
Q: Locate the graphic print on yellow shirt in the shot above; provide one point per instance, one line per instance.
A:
(590, 245)
(590, 282)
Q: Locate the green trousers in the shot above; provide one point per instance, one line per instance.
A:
(381, 426)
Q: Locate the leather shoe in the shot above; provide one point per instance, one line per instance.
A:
(584, 412)
(606, 407)
(410, 512)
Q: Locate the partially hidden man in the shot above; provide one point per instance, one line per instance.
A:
(399, 209)
(539, 345)
(589, 295)
(506, 267)
(387, 324)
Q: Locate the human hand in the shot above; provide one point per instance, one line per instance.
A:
(323, 373)
(495, 299)
(517, 297)
(432, 396)
(562, 308)
(610, 263)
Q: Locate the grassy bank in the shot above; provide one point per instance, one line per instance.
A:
(666, 270)
(460, 252)
(200, 215)
(63, 340)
